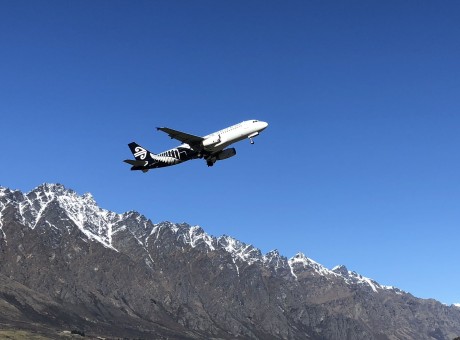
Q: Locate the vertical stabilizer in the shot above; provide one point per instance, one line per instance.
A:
(140, 153)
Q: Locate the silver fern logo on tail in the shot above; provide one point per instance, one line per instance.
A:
(140, 152)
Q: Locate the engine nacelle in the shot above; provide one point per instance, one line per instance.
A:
(227, 153)
(213, 140)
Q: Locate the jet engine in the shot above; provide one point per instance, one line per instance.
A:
(213, 140)
(227, 153)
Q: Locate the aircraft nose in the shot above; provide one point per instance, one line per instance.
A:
(264, 125)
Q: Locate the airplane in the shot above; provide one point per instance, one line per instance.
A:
(211, 148)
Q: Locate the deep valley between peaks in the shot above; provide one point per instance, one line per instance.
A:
(68, 264)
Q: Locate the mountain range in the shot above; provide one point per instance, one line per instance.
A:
(68, 264)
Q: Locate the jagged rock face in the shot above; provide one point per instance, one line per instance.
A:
(66, 262)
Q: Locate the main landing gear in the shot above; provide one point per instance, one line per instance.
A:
(207, 157)
(252, 141)
(210, 160)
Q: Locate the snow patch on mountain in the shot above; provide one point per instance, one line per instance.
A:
(275, 260)
(300, 263)
(291, 267)
(133, 223)
(83, 211)
(2, 208)
(353, 278)
(196, 236)
(240, 250)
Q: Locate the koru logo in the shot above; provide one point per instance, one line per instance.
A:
(140, 152)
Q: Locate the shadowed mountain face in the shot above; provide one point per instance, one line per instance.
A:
(65, 263)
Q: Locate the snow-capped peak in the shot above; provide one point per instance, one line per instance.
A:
(353, 278)
(341, 270)
(275, 260)
(300, 263)
(246, 252)
(272, 257)
(196, 236)
(83, 211)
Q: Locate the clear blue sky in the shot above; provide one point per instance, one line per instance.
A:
(359, 166)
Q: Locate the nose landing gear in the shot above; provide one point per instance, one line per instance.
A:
(251, 136)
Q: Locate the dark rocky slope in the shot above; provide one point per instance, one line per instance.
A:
(65, 263)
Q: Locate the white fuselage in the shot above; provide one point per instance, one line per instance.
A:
(235, 133)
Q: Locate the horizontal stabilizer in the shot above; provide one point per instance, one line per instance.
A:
(136, 163)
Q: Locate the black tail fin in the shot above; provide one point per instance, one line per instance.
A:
(140, 153)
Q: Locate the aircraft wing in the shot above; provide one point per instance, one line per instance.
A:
(193, 141)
